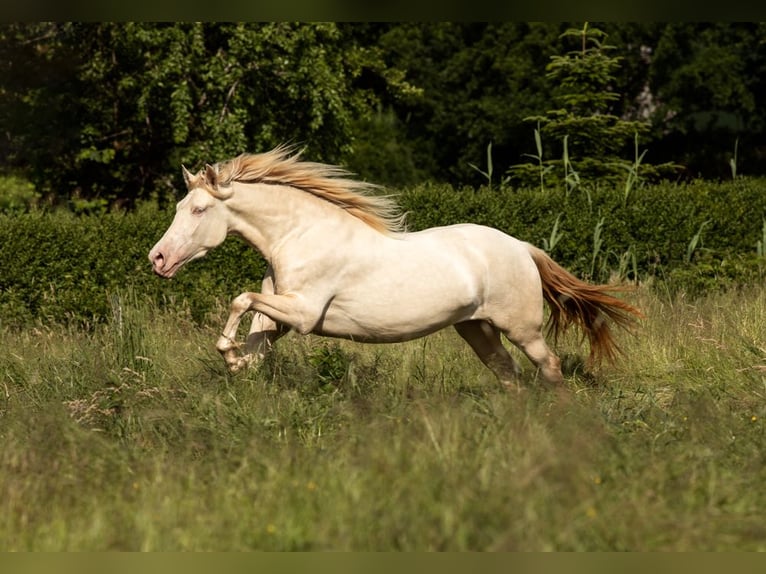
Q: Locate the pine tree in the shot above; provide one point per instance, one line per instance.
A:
(590, 139)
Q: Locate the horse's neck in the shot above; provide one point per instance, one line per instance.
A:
(270, 216)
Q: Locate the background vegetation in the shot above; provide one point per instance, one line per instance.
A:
(65, 267)
(631, 152)
(103, 113)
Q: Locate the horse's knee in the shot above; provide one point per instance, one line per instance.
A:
(242, 303)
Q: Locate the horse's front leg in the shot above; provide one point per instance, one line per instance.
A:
(275, 314)
(227, 344)
(263, 334)
(264, 331)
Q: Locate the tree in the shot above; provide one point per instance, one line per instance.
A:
(107, 112)
(118, 107)
(479, 82)
(707, 81)
(588, 137)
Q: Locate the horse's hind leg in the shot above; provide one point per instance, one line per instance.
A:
(532, 343)
(484, 339)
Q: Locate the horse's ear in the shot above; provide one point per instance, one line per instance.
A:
(211, 176)
(187, 176)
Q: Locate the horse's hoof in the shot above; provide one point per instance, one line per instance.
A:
(236, 364)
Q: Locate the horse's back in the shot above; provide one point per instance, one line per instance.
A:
(479, 244)
(500, 265)
(481, 262)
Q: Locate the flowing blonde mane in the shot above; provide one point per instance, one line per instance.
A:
(281, 166)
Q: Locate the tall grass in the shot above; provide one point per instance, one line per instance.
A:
(132, 436)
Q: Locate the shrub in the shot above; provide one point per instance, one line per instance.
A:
(656, 225)
(692, 237)
(62, 267)
(16, 194)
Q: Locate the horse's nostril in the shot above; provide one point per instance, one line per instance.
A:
(158, 260)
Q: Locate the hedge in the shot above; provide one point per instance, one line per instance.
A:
(693, 236)
(62, 267)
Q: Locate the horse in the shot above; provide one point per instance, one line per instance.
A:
(342, 264)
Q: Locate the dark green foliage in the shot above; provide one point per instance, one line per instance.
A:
(708, 79)
(382, 154)
(656, 227)
(109, 111)
(104, 113)
(479, 81)
(589, 140)
(63, 267)
(331, 363)
(17, 194)
(584, 80)
(713, 274)
(689, 237)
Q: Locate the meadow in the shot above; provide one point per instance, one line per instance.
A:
(129, 434)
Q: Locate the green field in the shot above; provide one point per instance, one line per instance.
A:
(130, 435)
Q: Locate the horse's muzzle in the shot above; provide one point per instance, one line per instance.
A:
(158, 264)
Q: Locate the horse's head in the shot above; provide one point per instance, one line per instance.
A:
(200, 224)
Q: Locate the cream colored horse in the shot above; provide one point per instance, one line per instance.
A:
(341, 265)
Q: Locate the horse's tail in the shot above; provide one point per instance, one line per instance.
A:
(573, 301)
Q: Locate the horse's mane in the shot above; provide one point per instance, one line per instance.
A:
(283, 166)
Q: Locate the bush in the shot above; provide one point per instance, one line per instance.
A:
(711, 274)
(655, 227)
(63, 267)
(16, 194)
(691, 237)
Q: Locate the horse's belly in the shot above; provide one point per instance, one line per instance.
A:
(379, 322)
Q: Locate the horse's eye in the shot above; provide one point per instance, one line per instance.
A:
(198, 210)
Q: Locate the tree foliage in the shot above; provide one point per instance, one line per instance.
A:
(121, 106)
(584, 80)
(589, 140)
(479, 80)
(104, 113)
(708, 80)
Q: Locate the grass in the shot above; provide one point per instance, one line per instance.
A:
(131, 436)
